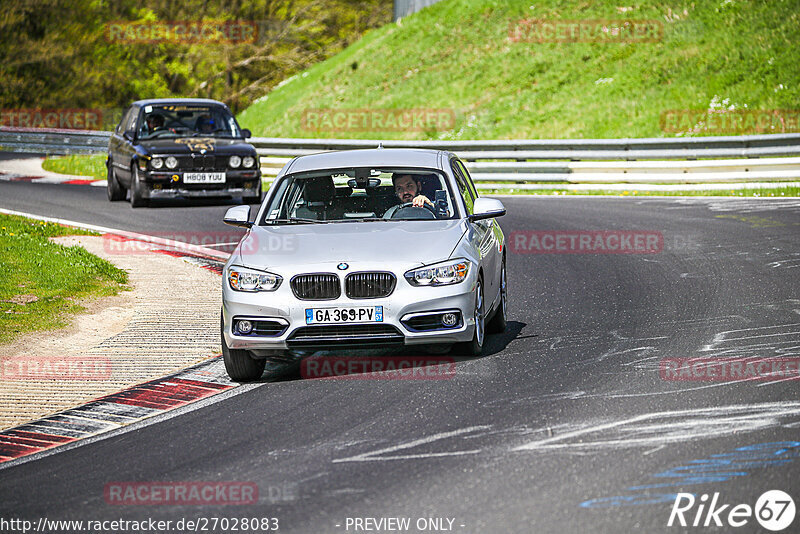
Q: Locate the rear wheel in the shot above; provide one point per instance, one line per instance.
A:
(499, 322)
(475, 347)
(113, 188)
(239, 364)
(137, 193)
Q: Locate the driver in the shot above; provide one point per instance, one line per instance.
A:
(205, 124)
(154, 121)
(408, 189)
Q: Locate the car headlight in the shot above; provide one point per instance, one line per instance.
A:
(156, 163)
(235, 161)
(439, 274)
(172, 162)
(248, 161)
(250, 280)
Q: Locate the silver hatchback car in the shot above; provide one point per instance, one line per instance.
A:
(364, 248)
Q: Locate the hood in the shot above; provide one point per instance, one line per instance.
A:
(306, 245)
(187, 145)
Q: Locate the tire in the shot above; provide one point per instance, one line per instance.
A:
(499, 322)
(240, 366)
(475, 347)
(115, 191)
(137, 199)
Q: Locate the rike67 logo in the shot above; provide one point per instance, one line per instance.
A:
(774, 510)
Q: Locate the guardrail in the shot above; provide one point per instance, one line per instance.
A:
(654, 160)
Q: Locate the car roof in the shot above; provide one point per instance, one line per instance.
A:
(159, 101)
(372, 157)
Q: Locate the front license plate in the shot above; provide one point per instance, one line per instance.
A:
(204, 177)
(366, 314)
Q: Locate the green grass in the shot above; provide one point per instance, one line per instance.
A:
(42, 282)
(457, 55)
(91, 166)
(787, 191)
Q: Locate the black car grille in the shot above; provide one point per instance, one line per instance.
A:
(369, 285)
(345, 335)
(200, 162)
(268, 328)
(321, 286)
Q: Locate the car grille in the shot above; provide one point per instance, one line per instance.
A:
(345, 335)
(202, 163)
(322, 286)
(268, 328)
(369, 285)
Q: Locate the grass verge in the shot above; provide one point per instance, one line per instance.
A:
(41, 283)
(467, 59)
(788, 191)
(93, 166)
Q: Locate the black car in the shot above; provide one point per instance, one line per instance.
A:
(186, 147)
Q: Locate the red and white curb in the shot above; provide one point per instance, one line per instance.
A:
(136, 403)
(11, 177)
(115, 411)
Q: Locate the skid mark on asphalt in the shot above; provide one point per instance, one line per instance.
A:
(743, 205)
(649, 431)
(390, 453)
(653, 429)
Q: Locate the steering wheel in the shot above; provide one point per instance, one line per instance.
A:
(409, 211)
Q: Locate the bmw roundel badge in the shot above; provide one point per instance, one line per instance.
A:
(342, 266)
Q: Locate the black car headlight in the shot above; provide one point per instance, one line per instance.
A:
(248, 162)
(234, 162)
(156, 163)
(172, 162)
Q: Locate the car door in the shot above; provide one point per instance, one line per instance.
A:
(121, 146)
(485, 237)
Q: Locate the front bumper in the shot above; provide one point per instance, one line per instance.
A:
(171, 185)
(406, 301)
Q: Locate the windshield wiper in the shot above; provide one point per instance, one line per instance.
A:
(360, 219)
(294, 220)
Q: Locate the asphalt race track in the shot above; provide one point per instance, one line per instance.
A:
(566, 424)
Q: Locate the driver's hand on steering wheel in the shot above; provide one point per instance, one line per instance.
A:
(420, 200)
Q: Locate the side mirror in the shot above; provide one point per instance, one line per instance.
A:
(487, 208)
(246, 133)
(238, 216)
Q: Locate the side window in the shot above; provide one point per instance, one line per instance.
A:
(130, 121)
(470, 184)
(463, 188)
(124, 120)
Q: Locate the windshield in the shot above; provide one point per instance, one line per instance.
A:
(359, 194)
(180, 120)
